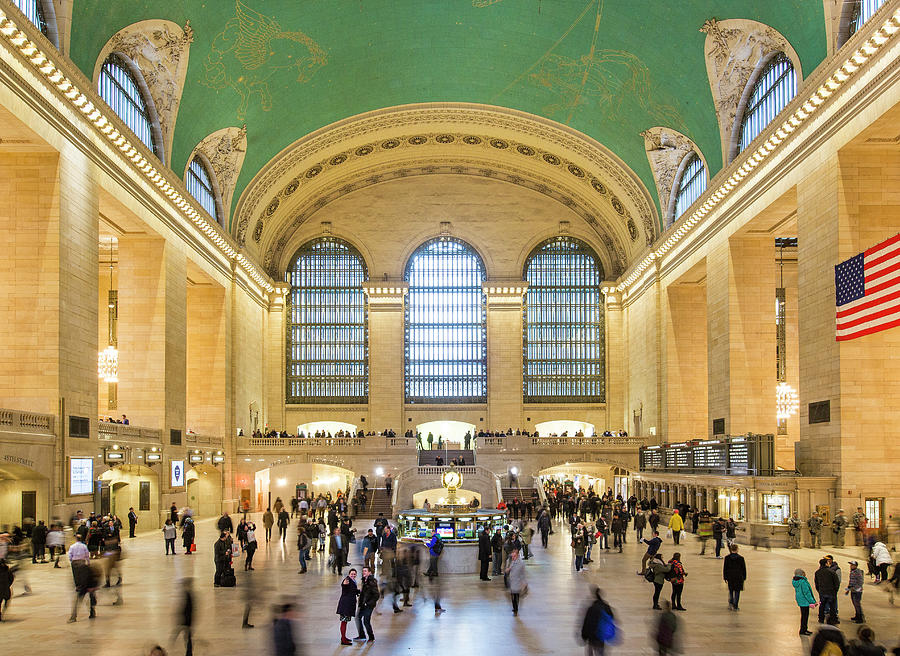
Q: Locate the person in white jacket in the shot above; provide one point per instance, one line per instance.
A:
(882, 559)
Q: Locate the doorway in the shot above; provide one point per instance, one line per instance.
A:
(29, 506)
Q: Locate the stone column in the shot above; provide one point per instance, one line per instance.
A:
(276, 357)
(741, 334)
(615, 361)
(206, 348)
(152, 333)
(504, 340)
(386, 354)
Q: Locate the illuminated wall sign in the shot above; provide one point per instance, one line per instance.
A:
(218, 459)
(177, 473)
(196, 458)
(115, 455)
(81, 475)
(154, 457)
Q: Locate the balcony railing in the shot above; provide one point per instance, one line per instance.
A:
(18, 421)
(112, 432)
(431, 470)
(356, 443)
(195, 439)
(524, 443)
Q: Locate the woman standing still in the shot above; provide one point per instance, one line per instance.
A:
(677, 580)
(805, 599)
(250, 545)
(346, 607)
(518, 583)
(169, 536)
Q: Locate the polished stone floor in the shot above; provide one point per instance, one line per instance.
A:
(478, 618)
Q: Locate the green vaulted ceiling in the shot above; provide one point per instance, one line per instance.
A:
(608, 68)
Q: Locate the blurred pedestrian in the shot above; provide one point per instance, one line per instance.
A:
(185, 617)
(666, 630)
(283, 631)
(516, 578)
(598, 627)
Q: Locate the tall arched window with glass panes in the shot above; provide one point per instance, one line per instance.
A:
(856, 14)
(42, 15)
(120, 87)
(199, 182)
(691, 183)
(564, 332)
(446, 324)
(774, 88)
(327, 327)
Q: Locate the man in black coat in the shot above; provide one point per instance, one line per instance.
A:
(38, 542)
(484, 552)
(368, 598)
(497, 549)
(222, 557)
(734, 571)
(827, 585)
(132, 522)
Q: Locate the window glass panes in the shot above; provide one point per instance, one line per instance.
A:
(564, 344)
(200, 187)
(774, 89)
(327, 339)
(861, 12)
(446, 332)
(121, 92)
(34, 12)
(691, 184)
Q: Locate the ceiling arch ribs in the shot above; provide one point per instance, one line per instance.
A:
(160, 49)
(523, 148)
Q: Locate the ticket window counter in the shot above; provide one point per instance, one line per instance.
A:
(776, 508)
(420, 524)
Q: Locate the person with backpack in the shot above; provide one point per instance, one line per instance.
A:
(656, 573)
(435, 549)
(599, 626)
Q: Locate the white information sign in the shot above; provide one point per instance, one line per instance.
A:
(178, 473)
(81, 475)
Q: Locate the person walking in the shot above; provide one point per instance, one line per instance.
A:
(805, 599)
(435, 549)
(283, 631)
(484, 552)
(579, 547)
(676, 578)
(543, 524)
(86, 580)
(666, 631)
(283, 520)
(864, 645)
(827, 585)
(883, 560)
(368, 598)
(187, 535)
(268, 522)
(855, 590)
(346, 608)
(676, 526)
(250, 545)
(132, 522)
(168, 532)
(38, 543)
(6, 580)
(657, 570)
(640, 523)
(734, 571)
(598, 623)
(336, 548)
(56, 542)
(516, 579)
(303, 543)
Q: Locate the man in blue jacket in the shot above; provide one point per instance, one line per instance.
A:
(435, 548)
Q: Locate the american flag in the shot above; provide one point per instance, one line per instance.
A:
(867, 287)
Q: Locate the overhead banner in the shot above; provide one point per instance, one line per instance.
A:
(177, 473)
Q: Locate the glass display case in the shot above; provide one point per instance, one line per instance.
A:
(455, 525)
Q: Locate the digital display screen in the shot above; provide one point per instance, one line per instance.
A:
(81, 475)
(445, 531)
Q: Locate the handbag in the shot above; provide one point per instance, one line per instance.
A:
(669, 534)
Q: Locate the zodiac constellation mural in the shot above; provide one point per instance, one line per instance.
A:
(251, 49)
(603, 81)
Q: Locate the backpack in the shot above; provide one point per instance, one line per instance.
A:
(650, 575)
(671, 575)
(606, 627)
(438, 546)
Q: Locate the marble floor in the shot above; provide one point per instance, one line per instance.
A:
(478, 618)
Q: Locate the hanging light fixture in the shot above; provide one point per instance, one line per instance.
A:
(787, 403)
(108, 358)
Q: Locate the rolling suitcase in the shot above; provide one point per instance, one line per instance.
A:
(228, 579)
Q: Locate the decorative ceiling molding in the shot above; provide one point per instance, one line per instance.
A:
(733, 50)
(451, 130)
(224, 150)
(160, 49)
(666, 150)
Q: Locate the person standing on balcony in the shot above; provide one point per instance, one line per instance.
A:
(430, 440)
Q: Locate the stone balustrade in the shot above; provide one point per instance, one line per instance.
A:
(194, 439)
(537, 443)
(112, 432)
(328, 443)
(431, 470)
(18, 421)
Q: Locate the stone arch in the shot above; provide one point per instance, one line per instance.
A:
(303, 237)
(667, 152)
(124, 482)
(224, 151)
(203, 488)
(159, 51)
(735, 51)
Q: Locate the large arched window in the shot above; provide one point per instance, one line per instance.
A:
(327, 334)
(42, 16)
(564, 345)
(773, 89)
(121, 89)
(199, 183)
(855, 14)
(691, 183)
(446, 333)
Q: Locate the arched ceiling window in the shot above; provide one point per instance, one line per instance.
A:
(564, 343)
(446, 329)
(34, 11)
(691, 183)
(774, 88)
(120, 86)
(327, 327)
(199, 183)
(857, 13)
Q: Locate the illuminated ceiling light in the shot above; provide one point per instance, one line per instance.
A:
(108, 365)
(787, 403)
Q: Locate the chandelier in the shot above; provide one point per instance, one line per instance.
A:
(108, 364)
(787, 403)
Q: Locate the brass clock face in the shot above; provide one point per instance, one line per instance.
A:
(451, 479)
